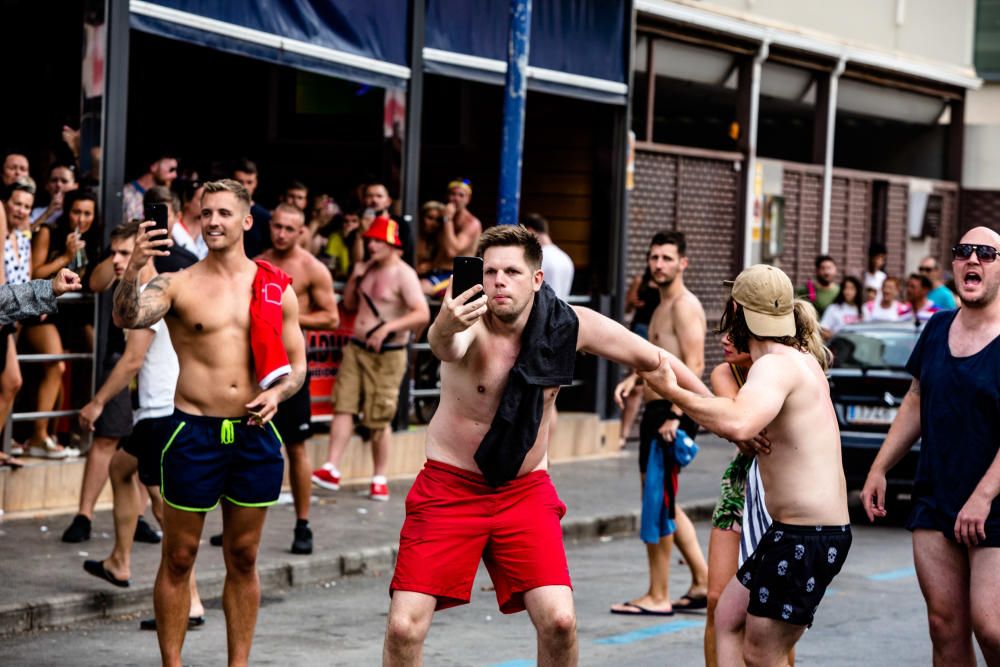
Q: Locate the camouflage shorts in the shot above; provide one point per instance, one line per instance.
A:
(729, 509)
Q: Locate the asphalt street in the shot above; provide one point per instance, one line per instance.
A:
(873, 615)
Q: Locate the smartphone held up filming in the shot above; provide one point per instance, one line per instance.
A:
(157, 213)
(466, 272)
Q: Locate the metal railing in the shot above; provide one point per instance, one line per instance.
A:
(8, 429)
(415, 393)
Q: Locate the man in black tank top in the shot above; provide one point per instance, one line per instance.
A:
(954, 406)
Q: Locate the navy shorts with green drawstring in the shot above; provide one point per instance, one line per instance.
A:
(207, 459)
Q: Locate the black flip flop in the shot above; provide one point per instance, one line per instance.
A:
(96, 568)
(193, 622)
(640, 611)
(691, 603)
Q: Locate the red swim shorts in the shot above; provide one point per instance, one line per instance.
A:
(454, 519)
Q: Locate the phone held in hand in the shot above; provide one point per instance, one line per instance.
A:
(466, 272)
(157, 213)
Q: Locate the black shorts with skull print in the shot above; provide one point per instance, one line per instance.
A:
(788, 573)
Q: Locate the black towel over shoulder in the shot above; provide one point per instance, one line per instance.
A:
(547, 359)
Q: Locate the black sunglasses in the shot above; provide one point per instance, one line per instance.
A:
(985, 253)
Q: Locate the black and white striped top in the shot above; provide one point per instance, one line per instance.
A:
(756, 520)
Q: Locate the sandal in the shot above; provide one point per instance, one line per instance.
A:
(10, 462)
(690, 603)
(50, 449)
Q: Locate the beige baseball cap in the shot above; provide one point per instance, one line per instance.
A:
(767, 297)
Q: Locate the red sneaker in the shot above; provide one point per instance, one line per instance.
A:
(379, 492)
(325, 478)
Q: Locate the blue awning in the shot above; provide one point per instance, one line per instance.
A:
(578, 47)
(364, 41)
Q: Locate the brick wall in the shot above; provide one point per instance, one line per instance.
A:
(697, 196)
(802, 191)
(980, 208)
(897, 202)
(948, 234)
(850, 224)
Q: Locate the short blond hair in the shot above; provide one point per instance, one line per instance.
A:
(228, 185)
(291, 210)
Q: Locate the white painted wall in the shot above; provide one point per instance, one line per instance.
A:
(981, 162)
(939, 30)
(982, 107)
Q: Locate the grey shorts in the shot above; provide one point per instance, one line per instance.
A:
(116, 420)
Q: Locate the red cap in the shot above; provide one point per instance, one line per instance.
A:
(384, 228)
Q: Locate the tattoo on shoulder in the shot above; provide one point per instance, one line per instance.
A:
(159, 283)
(138, 310)
(915, 387)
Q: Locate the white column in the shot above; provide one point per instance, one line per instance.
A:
(751, 162)
(831, 123)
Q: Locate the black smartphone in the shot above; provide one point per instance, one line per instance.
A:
(466, 272)
(157, 213)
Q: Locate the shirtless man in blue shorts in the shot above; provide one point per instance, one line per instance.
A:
(222, 444)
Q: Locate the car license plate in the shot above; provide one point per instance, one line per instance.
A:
(870, 414)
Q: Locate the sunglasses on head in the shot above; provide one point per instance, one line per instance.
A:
(985, 253)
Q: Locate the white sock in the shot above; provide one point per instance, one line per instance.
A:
(379, 479)
(332, 468)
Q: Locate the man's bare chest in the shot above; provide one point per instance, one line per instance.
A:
(381, 287)
(490, 363)
(662, 332)
(213, 308)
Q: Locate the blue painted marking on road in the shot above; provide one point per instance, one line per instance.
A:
(515, 663)
(892, 575)
(651, 631)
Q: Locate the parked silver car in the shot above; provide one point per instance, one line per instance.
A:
(867, 383)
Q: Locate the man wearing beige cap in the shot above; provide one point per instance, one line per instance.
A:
(786, 392)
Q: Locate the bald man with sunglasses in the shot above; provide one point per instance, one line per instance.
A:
(953, 405)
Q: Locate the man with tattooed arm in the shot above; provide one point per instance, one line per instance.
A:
(222, 445)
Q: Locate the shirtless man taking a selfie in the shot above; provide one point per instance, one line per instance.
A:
(485, 493)
(786, 392)
(222, 445)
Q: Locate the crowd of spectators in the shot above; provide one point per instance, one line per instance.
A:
(876, 296)
(59, 225)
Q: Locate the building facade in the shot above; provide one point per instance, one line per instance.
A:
(776, 131)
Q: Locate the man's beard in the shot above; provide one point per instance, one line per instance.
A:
(823, 281)
(666, 282)
(508, 314)
(988, 297)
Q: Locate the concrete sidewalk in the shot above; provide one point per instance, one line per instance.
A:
(45, 585)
